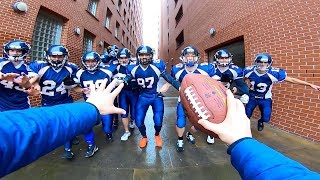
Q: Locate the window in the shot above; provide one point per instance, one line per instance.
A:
(108, 18)
(236, 49)
(122, 37)
(87, 42)
(180, 39)
(119, 5)
(47, 31)
(116, 30)
(179, 15)
(92, 7)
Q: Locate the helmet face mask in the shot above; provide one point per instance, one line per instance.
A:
(16, 50)
(189, 56)
(144, 55)
(263, 62)
(112, 50)
(57, 56)
(223, 58)
(91, 61)
(124, 56)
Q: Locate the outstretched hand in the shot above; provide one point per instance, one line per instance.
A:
(315, 87)
(235, 126)
(23, 80)
(103, 98)
(9, 76)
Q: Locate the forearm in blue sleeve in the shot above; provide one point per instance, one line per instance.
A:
(175, 83)
(242, 87)
(254, 160)
(26, 135)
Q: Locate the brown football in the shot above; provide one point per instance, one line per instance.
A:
(202, 97)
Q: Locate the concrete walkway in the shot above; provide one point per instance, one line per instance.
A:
(125, 160)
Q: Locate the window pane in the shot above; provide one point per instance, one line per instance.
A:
(47, 32)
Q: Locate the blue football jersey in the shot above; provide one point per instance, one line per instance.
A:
(12, 96)
(148, 78)
(179, 71)
(53, 91)
(228, 75)
(87, 78)
(261, 84)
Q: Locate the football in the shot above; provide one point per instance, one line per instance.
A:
(203, 97)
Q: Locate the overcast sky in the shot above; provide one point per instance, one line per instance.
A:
(151, 16)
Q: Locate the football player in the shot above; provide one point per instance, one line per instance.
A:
(262, 76)
(54, 74)
(190, 64)
(15, 76)
(147, 74)
(129, 94)
(231, 77)
(92, 75)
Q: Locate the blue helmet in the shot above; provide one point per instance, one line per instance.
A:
(187, 50)
(124, 53)
(16, 45)
(113, 50)
(263, 58)
(223, 54)
(144, 50)
(57, 50)
(91, 55)
(105, 58)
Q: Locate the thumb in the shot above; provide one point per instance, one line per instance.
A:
(210, 126)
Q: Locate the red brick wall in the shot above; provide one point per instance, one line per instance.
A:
(286, 29)
(20, 25)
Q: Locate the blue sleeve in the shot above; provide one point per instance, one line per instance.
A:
(238, 70)
(160, 64)
(175, 83)
(34, 66)
(254, 160)
(211, 70)
(280, 74)
(26, 135)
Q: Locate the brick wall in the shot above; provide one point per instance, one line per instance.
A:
(20, 25)
(286, 29)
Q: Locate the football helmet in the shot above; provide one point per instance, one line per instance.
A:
(263, 58)
(223, 58)
(113, 50)
(142, 53)
(124, 56)
(90, 56)
(105, 58)
(187, 53)
(16, 45)
(53, 52)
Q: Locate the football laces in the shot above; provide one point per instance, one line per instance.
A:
(196, 105)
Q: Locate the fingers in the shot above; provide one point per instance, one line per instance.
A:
(239, 107)
(119, 111)
(117, 90)
(230, 104)
(111, 86)
(209, 126)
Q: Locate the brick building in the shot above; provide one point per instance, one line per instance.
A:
(286, 29)
(80, 25)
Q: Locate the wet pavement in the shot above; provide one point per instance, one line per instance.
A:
(125, 160)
